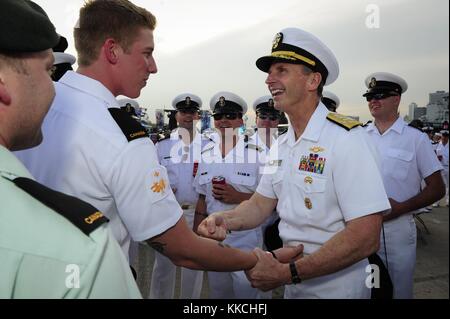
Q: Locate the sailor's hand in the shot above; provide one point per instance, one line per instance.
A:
(213, 227)
(226, 194)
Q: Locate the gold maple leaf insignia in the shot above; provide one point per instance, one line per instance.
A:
(159, 187)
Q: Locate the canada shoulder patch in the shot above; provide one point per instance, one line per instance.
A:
(130, 127)
(343, 121)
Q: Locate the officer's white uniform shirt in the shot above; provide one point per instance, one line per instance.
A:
(315, 206)
(85, 154)
(407, 157)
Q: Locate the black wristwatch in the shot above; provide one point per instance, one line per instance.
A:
(295, 277)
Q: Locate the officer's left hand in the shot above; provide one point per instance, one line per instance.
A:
(226, 193)
(268, 272)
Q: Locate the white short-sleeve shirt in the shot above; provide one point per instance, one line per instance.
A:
(181, 162)
(322, 180)
(85, 154)
(241, 169)
(406, 157)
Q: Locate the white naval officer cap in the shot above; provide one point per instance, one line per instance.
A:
(61, 57)
(265, 104)
(125, 101)
(444, 132)
(186, 101)
(384, 82)
(227, 102)
(293, 45)
(330, 99)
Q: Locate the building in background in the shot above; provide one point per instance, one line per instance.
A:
(437, 108)
(435, 113)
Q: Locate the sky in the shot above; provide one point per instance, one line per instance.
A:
(206, 46)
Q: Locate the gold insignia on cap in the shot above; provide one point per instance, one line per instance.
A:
(308, 203)
(222, 101)
(317, 149)
(373, 83)
(308, 180)
(270, 103)
(188, 100)
(276, 41)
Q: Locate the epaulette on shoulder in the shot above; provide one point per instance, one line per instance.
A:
(254, 147)
(130, 127)
(81, 214)
(343, 121)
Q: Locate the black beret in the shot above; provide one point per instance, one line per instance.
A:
(25, 27)
(62, 45)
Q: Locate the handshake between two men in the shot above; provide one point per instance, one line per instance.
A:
(273, 268)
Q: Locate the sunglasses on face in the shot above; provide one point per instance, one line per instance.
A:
(228, 116)
(379, 96)
(189, 111)
(267, 116)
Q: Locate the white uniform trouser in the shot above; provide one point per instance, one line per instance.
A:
(348, 283)
(401, 238)
(235, 285)
(164, 275)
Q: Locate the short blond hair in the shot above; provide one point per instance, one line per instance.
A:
(103, 19)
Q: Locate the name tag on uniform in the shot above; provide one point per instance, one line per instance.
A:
(275, 163)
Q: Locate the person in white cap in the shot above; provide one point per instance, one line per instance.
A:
(63, 61)
(94, 150)
(235, 161)
(442, 153)
(180, 154)
(322, 178)
(130, 106)
(330, 100)
(267, 120)
(406, 158)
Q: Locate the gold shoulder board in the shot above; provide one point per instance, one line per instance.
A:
(343, 121)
